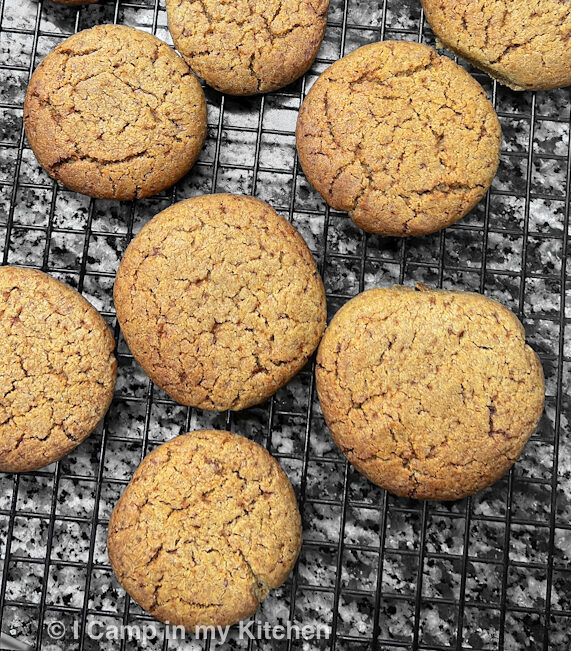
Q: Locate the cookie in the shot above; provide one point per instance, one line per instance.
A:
(115, 113)
(58, 369)
(402, 139)
(220, 301)
(429, 394)
(524, 45)
(248, 46)
(207, 527)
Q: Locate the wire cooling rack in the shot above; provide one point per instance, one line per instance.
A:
(490, 572)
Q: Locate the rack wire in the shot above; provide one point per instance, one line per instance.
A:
(489, 572)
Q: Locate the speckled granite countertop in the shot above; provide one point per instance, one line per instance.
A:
(492, 572)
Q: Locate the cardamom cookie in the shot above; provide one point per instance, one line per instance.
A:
(58, 369)
(246, 47)
(429, 394)
(207, 526)
(401, 138)
(220, 301)
(524, 45)
(114, 112)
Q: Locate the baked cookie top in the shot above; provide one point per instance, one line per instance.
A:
(220, 301)
(244, 47)
(114, 112)
(58, 369)
(429, 394)
(524, 45)
(401, 138)
(207, 526)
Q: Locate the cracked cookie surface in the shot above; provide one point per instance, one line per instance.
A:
(401, 138)
(244, 47)
(58, 369)
(220, 301)
(207, 526)
(524, 45)
(429, 394)
(115, 113)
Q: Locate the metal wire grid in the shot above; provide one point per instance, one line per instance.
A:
(370, 569)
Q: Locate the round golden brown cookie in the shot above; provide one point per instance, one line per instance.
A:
(401, 138)
(246, 47)
(114, 112)
(58, 369)
(524, 45)
(207, 526)
(220, 301)
(429, 394)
